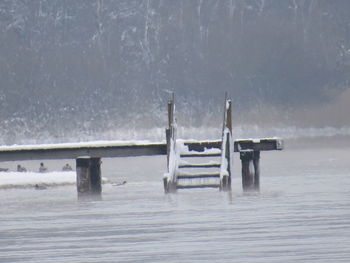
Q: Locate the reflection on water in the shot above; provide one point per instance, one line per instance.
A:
(301, 214)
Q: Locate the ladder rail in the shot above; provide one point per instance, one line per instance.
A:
(172, 152)
(226, 148)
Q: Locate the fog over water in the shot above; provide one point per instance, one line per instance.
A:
(300, 215)
(98, 69)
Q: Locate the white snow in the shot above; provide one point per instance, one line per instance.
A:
(174, 157)
(228, 104)
(76, 145)
(184, 162)
(183, 149)
(28, 179)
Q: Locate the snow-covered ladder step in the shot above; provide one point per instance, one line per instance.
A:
(197, 175)
(200, 165)
(200, 154)
(198, 186)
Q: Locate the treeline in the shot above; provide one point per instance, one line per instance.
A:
(93, 59)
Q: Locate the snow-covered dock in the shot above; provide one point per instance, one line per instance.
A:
(88, 156)
(73, 150)
(107, 149)
(184, 174)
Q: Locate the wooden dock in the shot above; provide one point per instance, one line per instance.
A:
(182, 155)
(74, 150)
(122, 149)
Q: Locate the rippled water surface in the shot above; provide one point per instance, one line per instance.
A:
(302, 214)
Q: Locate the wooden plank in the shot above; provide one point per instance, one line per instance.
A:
(198, 186)
(200, 154)
(266, 144)
(200, 165)
(198, 175)
(200, 146)
(258, 144)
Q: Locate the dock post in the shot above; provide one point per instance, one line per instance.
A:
(247, 170)
(226, 180)
(165, 183)
(168, 136)
(250, 170)
(88, 175)
(256, 162)
(95, 175)
(170, 132)
(83, 175)
(225, 184)
(171, 113)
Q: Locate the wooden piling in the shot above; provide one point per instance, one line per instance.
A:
(247, 170)
(165, 183)
(256, 163)
(170, 113)
(250, 170)
(170, 132)
(225, 184)
(226, 180)
(95, 175)
(88, 175)
(229, 115)
(83, 176)
(229, 148)
(168, 137)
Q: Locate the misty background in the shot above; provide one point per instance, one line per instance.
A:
(97, 69)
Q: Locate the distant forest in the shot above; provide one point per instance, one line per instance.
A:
(62, 61)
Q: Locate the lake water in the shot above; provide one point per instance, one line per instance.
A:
(302, 214)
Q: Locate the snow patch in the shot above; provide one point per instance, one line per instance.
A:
(31, 179)
(76, 145)
(27, 179)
